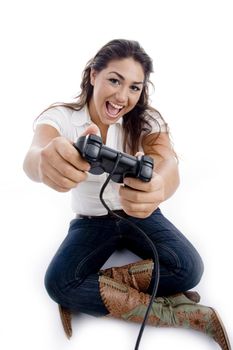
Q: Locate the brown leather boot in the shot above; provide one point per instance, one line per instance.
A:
(129, 304)
(138, 276)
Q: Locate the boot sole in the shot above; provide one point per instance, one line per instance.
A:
(226, 345)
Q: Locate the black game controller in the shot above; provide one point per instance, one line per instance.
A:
(102, 159)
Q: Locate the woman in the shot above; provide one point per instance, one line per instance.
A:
(114, 104)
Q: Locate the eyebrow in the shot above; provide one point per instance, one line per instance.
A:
(121, 77)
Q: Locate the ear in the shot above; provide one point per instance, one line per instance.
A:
(93, 74)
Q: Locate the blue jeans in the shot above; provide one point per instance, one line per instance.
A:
(71, 279)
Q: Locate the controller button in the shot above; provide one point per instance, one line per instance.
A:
(145, 173)
(91, 152)
(148, 160)
(97, 139)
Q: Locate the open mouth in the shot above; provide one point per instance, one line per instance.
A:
(113, 109)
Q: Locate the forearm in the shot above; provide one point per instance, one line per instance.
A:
(168, 170)
(31, 164)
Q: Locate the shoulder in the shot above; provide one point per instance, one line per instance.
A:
(61, 111)
(66, 120)
(64, 114)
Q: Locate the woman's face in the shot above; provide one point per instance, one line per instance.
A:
(116, 90)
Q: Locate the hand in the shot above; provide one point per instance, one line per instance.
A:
(61, 167)
(140, 199)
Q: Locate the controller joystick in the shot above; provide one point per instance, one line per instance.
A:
(102, 159)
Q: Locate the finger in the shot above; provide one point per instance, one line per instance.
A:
(137, 184)
(69, 154)
(66, 169)
(139, 154)
(153, 185)
(136, 195)
(47, 181)
(60, 180)
(91, 129)
(137, 211)
(134, 206)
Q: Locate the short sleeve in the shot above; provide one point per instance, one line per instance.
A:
(57, 117)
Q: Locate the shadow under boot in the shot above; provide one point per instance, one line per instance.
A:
(176, 311)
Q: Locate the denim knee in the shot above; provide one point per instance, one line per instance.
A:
(199, 272)
(194, 272)
(52, 286)
(79, 295)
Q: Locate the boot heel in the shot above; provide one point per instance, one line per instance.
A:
(65, 316)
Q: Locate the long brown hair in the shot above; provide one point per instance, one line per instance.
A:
(138, 119)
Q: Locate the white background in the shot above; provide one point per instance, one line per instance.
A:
(44, 47)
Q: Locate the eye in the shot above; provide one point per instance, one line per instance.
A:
(135, 88)
(114, 81)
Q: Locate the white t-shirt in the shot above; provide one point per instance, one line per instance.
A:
(70, 124)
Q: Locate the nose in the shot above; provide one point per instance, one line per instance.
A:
(122, 95)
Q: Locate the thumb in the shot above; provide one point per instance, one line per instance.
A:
(91, 129)
(139, 154)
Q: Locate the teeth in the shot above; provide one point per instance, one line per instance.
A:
(115, 106)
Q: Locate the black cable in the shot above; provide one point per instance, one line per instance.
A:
(155, 253)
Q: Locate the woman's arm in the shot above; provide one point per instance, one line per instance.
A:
(53, 160)
(140, 199)
(165, 160)
(43, 135)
